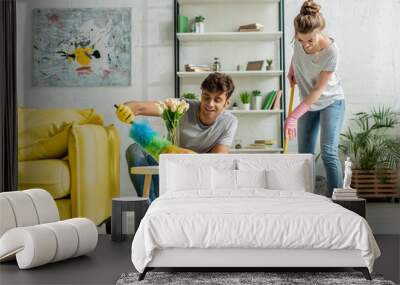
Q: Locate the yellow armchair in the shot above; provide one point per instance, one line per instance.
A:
(81, 173)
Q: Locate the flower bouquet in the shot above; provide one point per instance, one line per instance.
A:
(172, 110)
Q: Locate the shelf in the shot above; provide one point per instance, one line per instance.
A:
(245, 112)
(183, 2)
(270, 73)
(252, 150)
(229, 36)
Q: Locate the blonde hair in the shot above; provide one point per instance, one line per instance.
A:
(309, 18)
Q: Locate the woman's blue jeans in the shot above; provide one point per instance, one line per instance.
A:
(136, 156)
(330, 119)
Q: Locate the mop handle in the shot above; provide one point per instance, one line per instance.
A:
(292, 84)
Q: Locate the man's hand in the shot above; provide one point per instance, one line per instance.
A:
(125, 114)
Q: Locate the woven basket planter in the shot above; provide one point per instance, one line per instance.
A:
(375, 183)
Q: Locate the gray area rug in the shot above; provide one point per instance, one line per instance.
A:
(243, 278)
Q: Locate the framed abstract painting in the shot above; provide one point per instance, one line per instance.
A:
(87, 47)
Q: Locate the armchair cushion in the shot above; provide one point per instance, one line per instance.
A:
(43, 133)
(53, 175)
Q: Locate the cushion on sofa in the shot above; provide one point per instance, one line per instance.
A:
(53, 175)
(43, 133)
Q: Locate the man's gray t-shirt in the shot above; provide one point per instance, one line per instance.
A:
(307, 68)
(202, 138)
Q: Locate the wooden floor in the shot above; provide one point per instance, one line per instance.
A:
(110, 260)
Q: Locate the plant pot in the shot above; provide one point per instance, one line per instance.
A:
(234, 108)
(375, 183)
(199, 27)
(256, 102)
(245, 106)
(269, 67)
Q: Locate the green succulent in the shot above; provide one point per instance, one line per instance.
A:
(245, 97)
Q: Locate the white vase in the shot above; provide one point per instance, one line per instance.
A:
(256, 102)
(199, 27)
(245, 106)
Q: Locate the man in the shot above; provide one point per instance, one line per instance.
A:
(204, 128)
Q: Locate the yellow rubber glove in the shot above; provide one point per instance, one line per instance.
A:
(124, 114)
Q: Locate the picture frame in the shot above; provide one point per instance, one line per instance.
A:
(255, 65)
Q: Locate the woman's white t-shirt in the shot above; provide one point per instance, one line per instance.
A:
(307, 68)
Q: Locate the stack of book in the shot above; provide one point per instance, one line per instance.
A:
(262, 144)
(197, 68)
(255, 27)
(273, 100)
(344, 194)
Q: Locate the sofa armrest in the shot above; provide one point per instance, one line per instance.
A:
(114, 162)
(92, 169)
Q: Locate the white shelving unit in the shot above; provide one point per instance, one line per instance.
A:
(270, 73)
(199, 2)
(244, 43)
(229, 36)
(255, 112)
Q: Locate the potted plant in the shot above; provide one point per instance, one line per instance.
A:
(189, 96)
(199, 24)
(374, 152)
(234, 106)
(269, 64)
(245, 98)
(256, 100)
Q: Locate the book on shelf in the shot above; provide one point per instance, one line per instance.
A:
(251, 30)
(270, 97)
(197, 68)
(257, 146)
(276, 105)
(265, 142)
(252, 26)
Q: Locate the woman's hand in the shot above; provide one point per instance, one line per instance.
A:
(291, 121)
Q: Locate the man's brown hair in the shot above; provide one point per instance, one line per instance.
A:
(218, 83)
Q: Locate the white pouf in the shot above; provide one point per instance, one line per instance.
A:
(31, 232)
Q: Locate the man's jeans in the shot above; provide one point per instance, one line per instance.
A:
(330, 119)
(136, 156)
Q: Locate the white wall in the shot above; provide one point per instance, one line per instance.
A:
(366, 32)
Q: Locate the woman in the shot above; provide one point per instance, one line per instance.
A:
(313, 69)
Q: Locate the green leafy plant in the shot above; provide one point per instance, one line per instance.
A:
(269, 62)
(245, 97)
(199, 19)
(369, 144)
(190, 96)
(256, 93)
